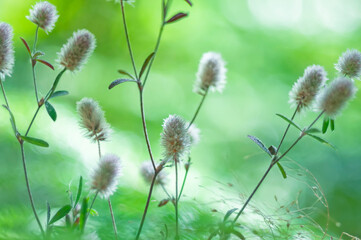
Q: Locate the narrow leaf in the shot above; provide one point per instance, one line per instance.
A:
(80, 189)
(83, 213)
(26, 45)
(260, 144)
(51, 111)
(126, 73)
(59, 94)
(60, 214)
(45, 63)
(325, 124)
(12, 119)
(313, 130)
(289, 121)
(38, 54)
(48, 213)
(238, 234)
(229, 213)
(177, 17)
(332, 124)
(321, 140)
(163, 202)
(189, 2)
(283, 172)
(119, 81)
(35, 141)
(145, 64)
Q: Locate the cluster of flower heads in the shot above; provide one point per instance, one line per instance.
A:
(44, 15)
(6, 50)
(310, 89)
(92, 120)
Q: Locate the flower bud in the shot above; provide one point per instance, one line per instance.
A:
(105, 176)
(305, 90)
(147, 172)
(349, 64)
(76, 51)
(92, 120)
(211, 73)
(6, 50)
(334, 98)
(175, 138)
(44, 15)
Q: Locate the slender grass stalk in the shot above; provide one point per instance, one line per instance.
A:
(176, 200)
(36, 38)
(184, 181)
(198, 109)
(33, 65)
(91, 206)
(4, 93)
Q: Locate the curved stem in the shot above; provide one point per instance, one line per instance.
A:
(4, 93)
(198, 109)
(28, 187)
(176, 200)
(113, 219)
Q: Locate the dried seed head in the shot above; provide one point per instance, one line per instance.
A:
(76, 51)
(211, 73)
(6, 50)
(305, 90)
(105, 176)
(334, 98)
(349, 64)
(44, 15)
(175, 137)
(147, 171)
(194, 134)
(92, 120)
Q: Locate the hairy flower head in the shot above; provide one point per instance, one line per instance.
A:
(349, 64)
(194, 134)
(105, 176)
(92, 120)
(76, 51)
(44, 15)
(306, 88)
(147, 172)
(334, 98)
(175, 138)
(6, 50)
(211, 73)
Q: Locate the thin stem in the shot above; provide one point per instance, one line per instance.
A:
(32, 120)
(165, 190)
(4, 93)
(99, 149)
(184, 181)
(36, 38)
(198, 109)
(28, 188)
(127, 38)
(176, 200)
(91, 206)
(33, 65)
(113, 219)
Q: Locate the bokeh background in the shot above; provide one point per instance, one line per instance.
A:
(267, 44)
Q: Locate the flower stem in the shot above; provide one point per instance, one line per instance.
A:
(184, 181)
(4, 93)
(176, 200)
(91, 206)
(33, 65)
(198, 109)
(36, 38)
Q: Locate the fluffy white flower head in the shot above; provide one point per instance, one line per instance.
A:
(349, 64)
(44, 15)
(6, 50)
(211, 73)
(194, 134)
(147, 172)
(105, 177)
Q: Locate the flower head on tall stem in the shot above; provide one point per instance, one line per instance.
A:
(92, 120)
(334, 98)
(211, 73)
(349, 64)
(76, 51)
(175, 138)
(44, 15)
(104, 178)
(147, 172)
(6, 50)
(306, 88)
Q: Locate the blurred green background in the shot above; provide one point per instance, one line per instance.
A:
(266, 43)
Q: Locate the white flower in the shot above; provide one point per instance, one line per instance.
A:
(194, 134)
(6, 50)
(44, 15)
(147, 172)
(349, 64)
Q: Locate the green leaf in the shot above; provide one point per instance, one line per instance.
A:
(260, 144)
(238, 234)
(83, 213)
(60, 214)
(93, 212)
(80, 189)
(283, 172)
(35, 141)
(321, 140)
(229, 213)
(48, 213)
(289, 121)
(119, 81)
(38, 54)
(51, 111)
(59, 94)
(12, 119)
(325, 124)
(332, 124)
(126, 73)
(313, 130)
(145, 64)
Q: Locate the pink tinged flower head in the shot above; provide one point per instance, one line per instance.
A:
(306, 88)
(77, 50)
(44, 15)
(105, 176)
(147, 172)
(92, 120)
(175, 138)
(349, 64)
(335, 97)
(211, 73)
(6, 50)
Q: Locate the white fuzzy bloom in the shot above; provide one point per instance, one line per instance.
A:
(211, 73)
(349, 64)
(76, 51)
(104, 178)
(305, 90)
(92, 120)
(6, 50)
(147, 172)
(175, 138)
(334, 98)
(44, 15)
(194, 134)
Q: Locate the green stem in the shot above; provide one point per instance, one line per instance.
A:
(36, 38)
(176, 200)
(90, 208)
(113, 219)
(33, 65)
(198, 109)
(4, 93)
(184, 181)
